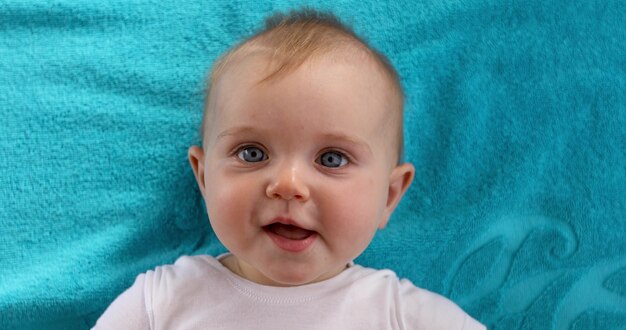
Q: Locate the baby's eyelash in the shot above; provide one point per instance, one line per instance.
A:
(348, 156)
(339, 151)
(242, 146)
(345, 154)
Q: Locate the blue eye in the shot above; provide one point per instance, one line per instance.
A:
(333, 159)
(251, 154)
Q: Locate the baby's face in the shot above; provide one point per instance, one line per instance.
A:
(299, 172)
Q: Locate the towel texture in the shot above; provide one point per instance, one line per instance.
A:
(515, 121)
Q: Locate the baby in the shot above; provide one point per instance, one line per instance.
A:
(301, 164)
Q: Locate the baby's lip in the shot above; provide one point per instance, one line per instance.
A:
(288, 228)
(286, 221)
(289, 235)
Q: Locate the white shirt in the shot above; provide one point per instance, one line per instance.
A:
(200, 293)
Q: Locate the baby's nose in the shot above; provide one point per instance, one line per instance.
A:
(288, 183)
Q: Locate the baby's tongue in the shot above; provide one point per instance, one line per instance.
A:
(289, 231)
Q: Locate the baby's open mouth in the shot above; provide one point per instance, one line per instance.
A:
(288, 231)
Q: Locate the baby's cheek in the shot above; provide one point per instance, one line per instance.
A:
(352, 230)
(354, 212)
(221, 199)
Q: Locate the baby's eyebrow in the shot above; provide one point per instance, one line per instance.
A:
(348, 139)
(237, 130)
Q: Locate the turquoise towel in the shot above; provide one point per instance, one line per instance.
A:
(516, 123)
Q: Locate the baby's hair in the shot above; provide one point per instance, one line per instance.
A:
(293, 38)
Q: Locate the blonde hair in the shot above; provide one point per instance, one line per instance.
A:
(293, 38)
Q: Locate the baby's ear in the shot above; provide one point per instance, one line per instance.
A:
(195, 155)
(399, 181)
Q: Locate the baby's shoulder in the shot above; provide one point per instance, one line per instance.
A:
(413, 306)
(186, 271)
(188, 264)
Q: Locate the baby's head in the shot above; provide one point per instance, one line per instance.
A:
(302, 141)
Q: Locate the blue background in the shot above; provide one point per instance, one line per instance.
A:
(515, 121)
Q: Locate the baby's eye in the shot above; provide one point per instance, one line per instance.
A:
(332, 159)
(251, 154)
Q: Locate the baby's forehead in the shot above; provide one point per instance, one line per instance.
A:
(253, 72)
(279, 62)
